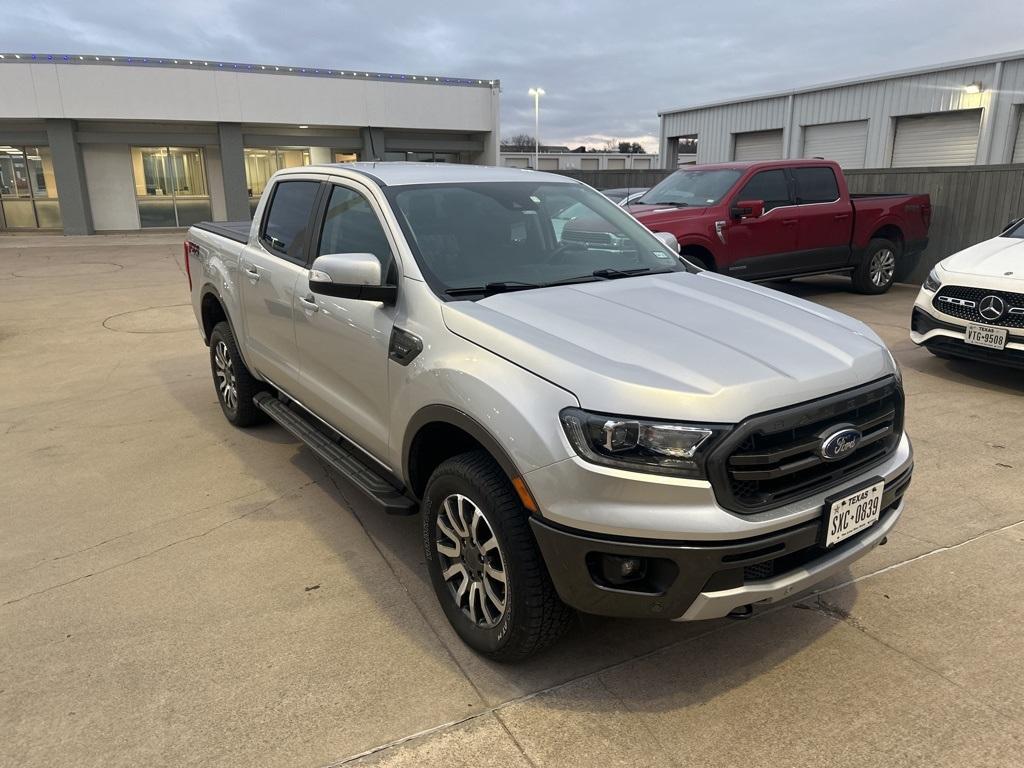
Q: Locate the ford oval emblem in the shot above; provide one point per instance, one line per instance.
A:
(839, 444)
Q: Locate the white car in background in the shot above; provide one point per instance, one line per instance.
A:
(972, 304)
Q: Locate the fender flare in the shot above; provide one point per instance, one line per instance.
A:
(450, 415)
(209, 289)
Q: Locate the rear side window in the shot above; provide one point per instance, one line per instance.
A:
(352, 226)
(815, 185)
(286, 223)
(770, 186)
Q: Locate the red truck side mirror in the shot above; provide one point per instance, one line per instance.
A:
(748, 209)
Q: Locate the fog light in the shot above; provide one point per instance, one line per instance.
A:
(623, 570)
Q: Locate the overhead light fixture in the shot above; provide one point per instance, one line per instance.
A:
(974, 87)
(303, 126)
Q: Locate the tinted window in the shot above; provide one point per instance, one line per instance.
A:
(1015, 230)
(352, 226)
(815, 185)
(288, 218)
(770, 186)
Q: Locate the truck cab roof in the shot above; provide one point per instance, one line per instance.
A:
(394, 174)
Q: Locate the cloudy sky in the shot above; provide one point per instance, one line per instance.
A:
(607, 67)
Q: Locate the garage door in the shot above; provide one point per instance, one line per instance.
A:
(548, 164)
(759, 145)
(944, 139)
(1018, 145)
(843, 142)
(517, 162)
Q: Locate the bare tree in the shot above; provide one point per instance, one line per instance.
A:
(520, 141)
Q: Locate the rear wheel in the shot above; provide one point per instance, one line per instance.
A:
(235, 384)
(877, 270)
(484, 563)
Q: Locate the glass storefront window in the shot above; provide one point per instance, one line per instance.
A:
(425, 157)
(170, 186)
(28, 190)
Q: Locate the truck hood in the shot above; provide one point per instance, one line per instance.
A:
(697, 347)
(998, 257)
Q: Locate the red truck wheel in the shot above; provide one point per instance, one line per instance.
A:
(877, 269)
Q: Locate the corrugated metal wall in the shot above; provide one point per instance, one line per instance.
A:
(969, 203)
(879, 102)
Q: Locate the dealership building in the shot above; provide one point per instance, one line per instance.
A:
(111, 143)
(961, 113)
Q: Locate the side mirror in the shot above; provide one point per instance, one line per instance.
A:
(350, 276)
(668, 240)
(747, 209)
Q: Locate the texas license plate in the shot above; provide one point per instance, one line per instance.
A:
(985, 336)
(852, 513)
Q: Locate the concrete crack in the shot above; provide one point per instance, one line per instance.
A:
(158, 549)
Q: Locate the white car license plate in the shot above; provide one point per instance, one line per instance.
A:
(851, 514)
(985, 336)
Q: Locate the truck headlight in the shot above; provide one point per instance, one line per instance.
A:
(932, 283)
(642, 445)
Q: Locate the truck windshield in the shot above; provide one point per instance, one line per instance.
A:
(501, 236)
(691, 187)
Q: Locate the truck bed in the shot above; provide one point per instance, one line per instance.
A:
(232, 230)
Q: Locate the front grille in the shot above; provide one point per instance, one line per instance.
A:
(943, 345)
(775, 458)
(965, 303)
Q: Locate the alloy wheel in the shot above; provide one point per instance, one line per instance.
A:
(227, 385)
(471, 561)
(882, 267)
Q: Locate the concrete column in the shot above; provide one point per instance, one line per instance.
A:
(232, 168)
(69, 173)
(373, 144)
(320, 155)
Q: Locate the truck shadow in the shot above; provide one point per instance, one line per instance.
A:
(592, 644)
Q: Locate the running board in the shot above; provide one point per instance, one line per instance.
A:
(337, 456)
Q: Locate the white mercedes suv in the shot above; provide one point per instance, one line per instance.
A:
(972, 304)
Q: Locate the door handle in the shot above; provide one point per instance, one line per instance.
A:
(309, 303)
(841, 216)
(252, 273)
(790, 222)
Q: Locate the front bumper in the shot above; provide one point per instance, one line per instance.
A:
(703, 579)
(944, 335)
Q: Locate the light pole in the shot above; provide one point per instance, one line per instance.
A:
(536, 93)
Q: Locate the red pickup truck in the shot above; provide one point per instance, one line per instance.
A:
(787, 218)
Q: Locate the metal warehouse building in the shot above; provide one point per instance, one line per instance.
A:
(108, 143)
(962, 113)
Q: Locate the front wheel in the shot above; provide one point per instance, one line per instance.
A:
(877, 270)
(484, 563)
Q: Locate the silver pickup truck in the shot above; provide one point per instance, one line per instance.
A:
(583, 419)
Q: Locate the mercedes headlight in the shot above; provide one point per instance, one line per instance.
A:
(932, 283)
(641, 445)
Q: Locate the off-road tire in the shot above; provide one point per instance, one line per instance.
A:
(244, 412)
(534, 616)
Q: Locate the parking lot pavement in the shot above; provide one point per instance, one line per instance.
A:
(174, 591)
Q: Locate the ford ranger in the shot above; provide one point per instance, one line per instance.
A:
(788, 218)
(583, 419)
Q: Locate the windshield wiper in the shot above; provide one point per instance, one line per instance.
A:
(488, 289)
(609, 273)
(663, 202)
